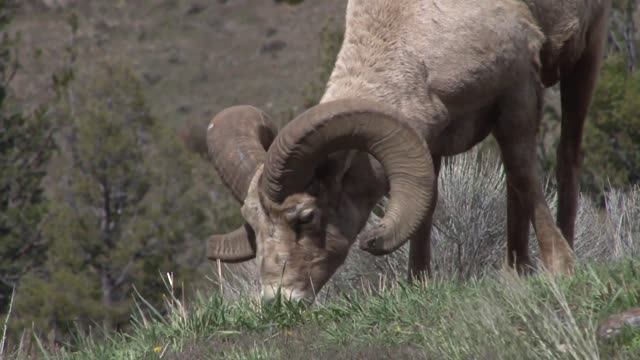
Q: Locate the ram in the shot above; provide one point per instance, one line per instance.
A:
(414, 81)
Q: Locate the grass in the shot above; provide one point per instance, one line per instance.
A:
(497, 317)
(492, 317)
(470, 310)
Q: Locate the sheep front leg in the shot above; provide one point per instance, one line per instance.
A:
(420, 242)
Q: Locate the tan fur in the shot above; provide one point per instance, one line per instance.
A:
(458, 67)
(459, 70)
(421, 55)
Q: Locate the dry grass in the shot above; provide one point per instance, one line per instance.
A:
(367, 311)
(498, 317)
(469, 232)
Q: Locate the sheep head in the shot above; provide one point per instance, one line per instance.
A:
(308, 191)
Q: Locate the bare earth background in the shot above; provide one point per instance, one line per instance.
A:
(196, 57)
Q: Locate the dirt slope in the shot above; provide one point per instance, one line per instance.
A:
(195, 56)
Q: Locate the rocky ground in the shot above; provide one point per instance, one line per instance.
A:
(195, 57)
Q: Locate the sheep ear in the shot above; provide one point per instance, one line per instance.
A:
(336, 167)
(236, 246)
(345, 165)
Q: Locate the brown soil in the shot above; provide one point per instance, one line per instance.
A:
(195, 57)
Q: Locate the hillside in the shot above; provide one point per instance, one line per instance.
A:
(122, 165)
(196, 57)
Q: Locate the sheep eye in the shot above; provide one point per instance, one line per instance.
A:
(305, 216)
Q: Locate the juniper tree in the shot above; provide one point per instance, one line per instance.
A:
(25, 146)
(127, 206)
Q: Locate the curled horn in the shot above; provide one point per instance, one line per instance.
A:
(367, 126)
(237, 138)
(236, 246)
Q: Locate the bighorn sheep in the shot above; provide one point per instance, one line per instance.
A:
(414, 81)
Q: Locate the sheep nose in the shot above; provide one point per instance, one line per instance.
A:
(268, 300)
(269, 296)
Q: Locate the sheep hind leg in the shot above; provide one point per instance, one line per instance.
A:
(515, 133)
(517, 232)
(420, 242)
(576, 91)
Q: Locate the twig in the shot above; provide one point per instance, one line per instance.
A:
(220, 277)
(629, 31)
(6, 323)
